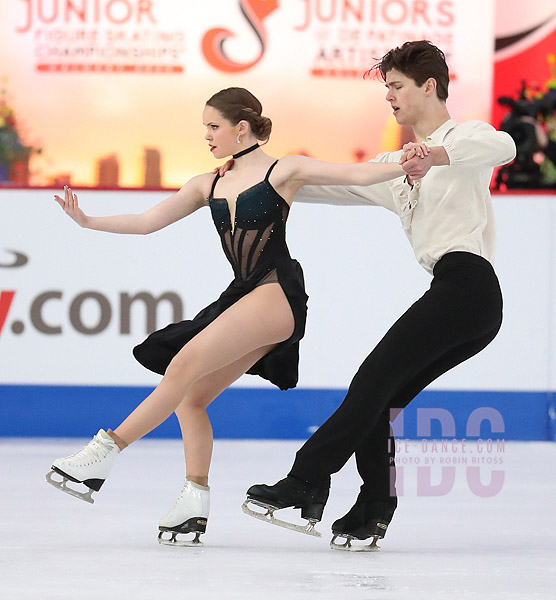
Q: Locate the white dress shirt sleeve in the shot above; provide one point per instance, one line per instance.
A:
(478, 144)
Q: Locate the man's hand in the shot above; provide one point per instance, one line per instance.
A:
(224, 168)
(416, 161)
(417, 167)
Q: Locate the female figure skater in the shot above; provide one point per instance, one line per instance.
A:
(256, 324)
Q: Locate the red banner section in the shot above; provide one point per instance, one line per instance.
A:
(524, 102)
(531, 66)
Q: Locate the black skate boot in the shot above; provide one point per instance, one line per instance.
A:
(366, 519)
(288, 492)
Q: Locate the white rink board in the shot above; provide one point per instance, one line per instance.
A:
(360, 275)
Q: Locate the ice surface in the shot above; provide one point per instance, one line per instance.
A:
(458, 545)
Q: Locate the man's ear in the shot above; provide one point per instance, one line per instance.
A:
(430, 86)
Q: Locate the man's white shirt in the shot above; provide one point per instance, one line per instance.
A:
(450, 208)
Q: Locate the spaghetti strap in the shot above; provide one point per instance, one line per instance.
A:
(270, 170)
(211, 195)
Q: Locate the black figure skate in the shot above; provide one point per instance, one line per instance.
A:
(288, 492)
(366, 519)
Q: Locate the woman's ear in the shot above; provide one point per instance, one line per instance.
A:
(243, 127)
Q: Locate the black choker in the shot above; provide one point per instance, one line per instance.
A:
(246, 151)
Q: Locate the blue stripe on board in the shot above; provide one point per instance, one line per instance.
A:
(552, 417)
(254, 413)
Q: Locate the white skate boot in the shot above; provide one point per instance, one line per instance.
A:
(90, 466)
(189, 515)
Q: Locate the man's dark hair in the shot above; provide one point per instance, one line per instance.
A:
(417, 60)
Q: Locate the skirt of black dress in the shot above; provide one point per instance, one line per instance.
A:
(280, 366)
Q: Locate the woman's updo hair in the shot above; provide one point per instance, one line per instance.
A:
(238, 104)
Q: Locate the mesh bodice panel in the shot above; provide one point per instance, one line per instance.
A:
(256, 240)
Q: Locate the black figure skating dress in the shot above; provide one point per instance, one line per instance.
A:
(256, 248)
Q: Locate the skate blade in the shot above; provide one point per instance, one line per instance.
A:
(173, 541)
(269, 517)
(63, 487)
(347, 547)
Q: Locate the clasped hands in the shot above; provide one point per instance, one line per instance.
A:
(416, 159)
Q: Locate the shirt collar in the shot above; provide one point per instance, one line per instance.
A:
(437, 136)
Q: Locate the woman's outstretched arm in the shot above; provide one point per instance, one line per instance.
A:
(179, 205)
(302, 170)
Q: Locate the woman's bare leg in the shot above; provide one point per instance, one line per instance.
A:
(261, 318)
(192, 415)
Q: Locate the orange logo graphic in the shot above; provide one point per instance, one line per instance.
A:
(213, 45)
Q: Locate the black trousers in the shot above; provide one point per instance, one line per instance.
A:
(455, 319)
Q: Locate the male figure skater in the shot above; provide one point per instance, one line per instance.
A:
(446, 211)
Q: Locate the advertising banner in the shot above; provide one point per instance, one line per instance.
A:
(74, 302)
(111, 91)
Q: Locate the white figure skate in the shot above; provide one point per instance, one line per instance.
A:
(189, 515)
(89, 466)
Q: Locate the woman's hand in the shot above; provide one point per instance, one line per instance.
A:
(71, 206)
(412, 149)
(417, 159)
